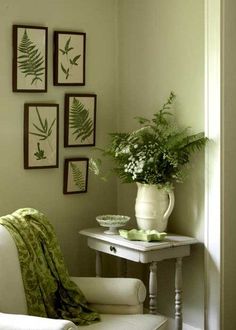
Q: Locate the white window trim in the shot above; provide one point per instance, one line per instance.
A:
(213, 200)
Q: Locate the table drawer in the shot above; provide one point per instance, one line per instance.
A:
(113, 249)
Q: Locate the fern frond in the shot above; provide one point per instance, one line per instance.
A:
(176, 139)
(194, 142)
(79, 121)
(30, 62)
(77, 176)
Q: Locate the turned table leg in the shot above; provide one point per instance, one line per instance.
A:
(153, 288)
(98, 264)
(178, 294)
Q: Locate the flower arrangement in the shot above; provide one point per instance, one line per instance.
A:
(156, 153)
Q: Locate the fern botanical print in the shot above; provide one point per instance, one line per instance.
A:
(30, 62)
(69, 58)
(70, 61)
(79, 121)
(80, 115)
(41, 135)
(43, 128)
(29, 58)
(75, 175)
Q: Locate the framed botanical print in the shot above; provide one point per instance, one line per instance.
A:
(80, 120)
(69, 58)
(29, 65)
(41, 124)
(75, 175)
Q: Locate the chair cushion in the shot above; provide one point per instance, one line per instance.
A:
(117, 309)
(112, 291)
(109, 322)
(25, 322)
(12, 296)
(130, 322)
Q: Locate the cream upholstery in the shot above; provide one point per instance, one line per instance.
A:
(12, 297)
(130, 322)
(113, 296)
(109, 322)
(25, 322)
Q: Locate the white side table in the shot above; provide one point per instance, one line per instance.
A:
(174, 246)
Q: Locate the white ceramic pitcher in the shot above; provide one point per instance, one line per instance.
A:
(153, 207)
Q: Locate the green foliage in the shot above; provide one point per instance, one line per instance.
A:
(79, 120)
(40, 153)
(157, 152)
(74, 60)
(67, 47)
(44, 130)
(66, 71)
(77, 176)
(30, 62)
(70, 61)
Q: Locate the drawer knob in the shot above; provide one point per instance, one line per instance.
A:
(112, 249)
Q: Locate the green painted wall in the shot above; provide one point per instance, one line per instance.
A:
(162, 49)
(42, 189)
(137, 51)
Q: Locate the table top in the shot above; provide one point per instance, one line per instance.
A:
(171, 240)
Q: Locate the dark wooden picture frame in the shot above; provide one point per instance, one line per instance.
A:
(80, 120)
(41, 123)
(69, 58)
(75, 175)
(29, 64)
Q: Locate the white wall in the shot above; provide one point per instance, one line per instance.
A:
(162, 49)
(42, 188)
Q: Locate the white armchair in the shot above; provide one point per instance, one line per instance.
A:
(119, 300)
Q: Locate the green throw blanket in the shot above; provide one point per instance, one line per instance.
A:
(48, 288)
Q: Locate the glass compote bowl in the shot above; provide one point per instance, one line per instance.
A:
(113, 222)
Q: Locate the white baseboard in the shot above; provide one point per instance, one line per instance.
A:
(171, 325)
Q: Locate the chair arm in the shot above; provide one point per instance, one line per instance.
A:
(23, 322)
(112, 291)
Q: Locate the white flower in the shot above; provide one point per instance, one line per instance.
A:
(125, 150)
